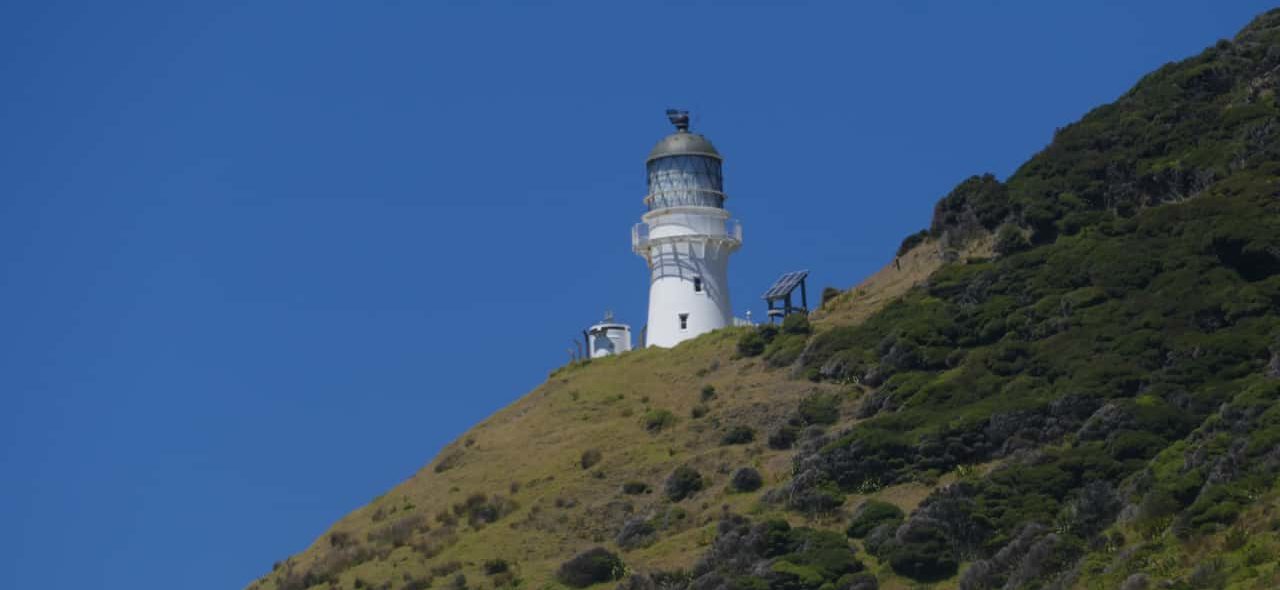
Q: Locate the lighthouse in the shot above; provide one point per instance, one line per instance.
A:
(686, 237)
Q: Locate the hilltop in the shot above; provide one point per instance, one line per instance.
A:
(1071, 379)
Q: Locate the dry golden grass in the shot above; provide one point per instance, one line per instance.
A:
(893, 281)
(529, 452)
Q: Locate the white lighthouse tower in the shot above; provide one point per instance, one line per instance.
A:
(686, 237)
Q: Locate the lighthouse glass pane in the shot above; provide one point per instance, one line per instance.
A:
(685, 181)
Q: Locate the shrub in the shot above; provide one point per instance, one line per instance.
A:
(829, 293)
(590, 457)
(912, 241)
(820, 408)
(784, 437)
(592, 566)
(923, 562)
(636, 532)
(1009, 240)
(784, 350)
(635, 488)
(738, 435)
(751, 344)
(684, 482)
(699, 411)
(658, 420)
(708, 393)
(746, 479)
(871, 514)
(768, 332)
(399, 532)
(496, 566)
(796, 324)
(481, 509)
(448, 461)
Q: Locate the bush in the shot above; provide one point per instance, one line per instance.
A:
(912, 241)
(635, 488)
(820, 408)
(636, 533)
(708, 393)
(592, 566)
(746, 479)
(751, 344)
(738, 435)
(1009, 240)
(481, 509)
(768, 332)
(590, 457)
(796, 324)
(658, 420)
(699, 411)
(496, 566)
(399, 532)
(784, 437)
(829, 293)
(684, 482)
(871, 514)
(784, 350)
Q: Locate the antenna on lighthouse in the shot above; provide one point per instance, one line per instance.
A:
(679, 118)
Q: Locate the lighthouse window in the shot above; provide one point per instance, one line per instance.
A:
(684, 321)
(697, 284)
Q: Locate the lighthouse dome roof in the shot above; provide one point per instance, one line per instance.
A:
(684, 143)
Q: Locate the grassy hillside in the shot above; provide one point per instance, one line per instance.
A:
(1071, 379)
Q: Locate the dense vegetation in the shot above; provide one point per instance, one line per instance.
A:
(1119, 356)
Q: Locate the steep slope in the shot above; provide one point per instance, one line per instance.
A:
(1071, 379)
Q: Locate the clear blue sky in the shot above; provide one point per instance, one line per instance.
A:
(259, 261)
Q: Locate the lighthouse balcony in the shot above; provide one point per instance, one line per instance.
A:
(729, 235)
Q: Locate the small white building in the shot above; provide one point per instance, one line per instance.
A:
(686, 238)
(608, 337)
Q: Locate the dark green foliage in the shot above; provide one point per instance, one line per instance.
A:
(396, 533)
(481, 509)
(635, 533)
(909, 242)
(980, 203)
(774, 556)
(684, 482)
(784, 437)
(592, 566)
(925, 555)
(496, 566)
(746, 479)
(658, 420)
(871, 514)
(1135, 330)
(751, 344)
(738, 435)
(1009, 240)
(782, 345)
(785, 349)
(635, 488)
(829, 293)
(820, 408)
(699, 411)
(768, 332)
(796, 323)
(708, 393)
(589, 458)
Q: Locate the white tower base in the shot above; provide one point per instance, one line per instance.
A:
(688, 250)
